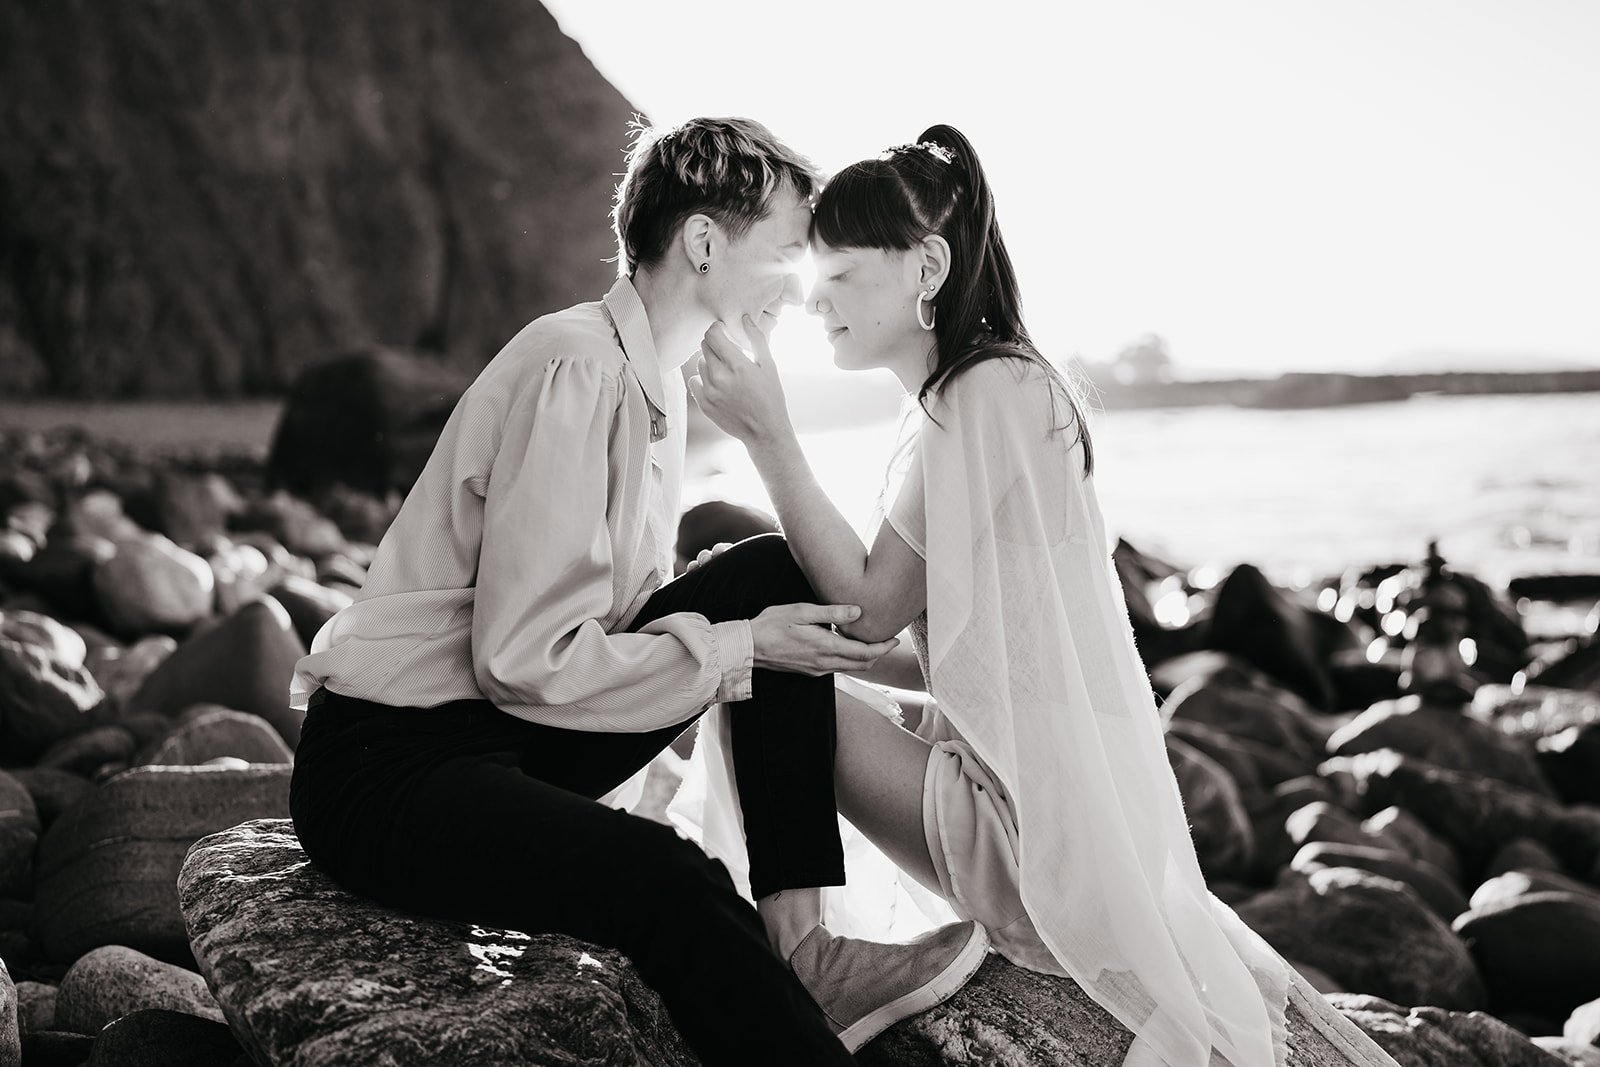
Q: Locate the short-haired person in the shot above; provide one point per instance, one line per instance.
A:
(520, 650)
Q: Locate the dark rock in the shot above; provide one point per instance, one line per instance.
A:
(10, 1034)
(112, 981)
(244, 663)
(1510, 885)
(152, 586)
(1570, 760)
(342, 570)
(1538, 952)
(1239, 764)
(294, 523)
(1430, 883)
(1535, 711)
(56, 1048)
(19, 837)
(36, 1006)
(157, 1037)
(1201, 667)
(42, 699)
(1435, 1037)
(1578, 669)
(1268, 818)
(1224, 840)
(191, 509)
(242, 573)
(402, 210)
(214, 732)
(121, 671)
(282, 946)
(1521, 854)
(1441, 736)
(1321, 822)
(83, 752)
(1413, 838)
(108, 867)
(1369, 933)
(1264, 625)
(309, 605)
(1266, 716)
(1572, 1053)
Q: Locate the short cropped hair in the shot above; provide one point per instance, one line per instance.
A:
(727, 168)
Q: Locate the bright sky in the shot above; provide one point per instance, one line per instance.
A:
(1270, 185)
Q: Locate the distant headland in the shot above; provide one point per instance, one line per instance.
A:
(1314, 390)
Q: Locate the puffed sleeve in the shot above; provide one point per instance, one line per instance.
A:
(539, 650)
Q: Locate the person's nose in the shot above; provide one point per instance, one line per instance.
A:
(816, 303)
(793, 293)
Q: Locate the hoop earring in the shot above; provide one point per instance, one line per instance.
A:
(705, 268)
(933, 312)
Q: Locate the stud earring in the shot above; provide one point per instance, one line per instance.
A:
(705, 268)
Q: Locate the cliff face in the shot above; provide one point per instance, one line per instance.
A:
(201, 198)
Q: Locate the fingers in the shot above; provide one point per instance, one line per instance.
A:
(826, 614)
(758, 341)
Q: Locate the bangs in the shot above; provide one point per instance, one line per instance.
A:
(865, 206)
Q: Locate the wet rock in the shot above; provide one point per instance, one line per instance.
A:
(1264, 625)
(309, 604)
(159, 1037)
(243, 663)
(242, 574)
(1268, 717)
(1431, 884)
(42, 698)
(83, 752)
(1202, 667)
(112, 981)
(1539, 951)
(56, 1048)
(152, 586)
(36, 1006)
(1521, 854)
(1435, 1037)
(108, 867)
(61, 643)
(1475, 816)
(1511, 884)
(284, 946)
(208, 731)
(1268, 818)
(19, 837)
(1224, 840)
(1370, 933)
(1227, 752)
(1441, 736)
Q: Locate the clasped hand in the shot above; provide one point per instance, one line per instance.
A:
(799, 638)
(741, 394)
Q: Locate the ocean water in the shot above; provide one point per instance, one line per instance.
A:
(1508, 485)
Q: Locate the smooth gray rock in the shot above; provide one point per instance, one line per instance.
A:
(42, 698)
(1224, 839)
(1431, 884)
(95, 747)
(56, 1048)
(36, 1006)
(153, 586)
(113, 980)
(1521, 883)
(309, 974)
(121, 671)
(53, 791)
(108, 869)
(1570, 1052)
(1372, 934)
(19, 838)
(1435, 1037)
(213, 732)
(1413, 835)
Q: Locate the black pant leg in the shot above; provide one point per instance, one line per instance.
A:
(784, 736)
(427, 809)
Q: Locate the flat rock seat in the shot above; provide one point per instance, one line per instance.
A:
(311, 975)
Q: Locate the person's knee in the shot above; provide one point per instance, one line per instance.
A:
(778, 577)
(671, 868)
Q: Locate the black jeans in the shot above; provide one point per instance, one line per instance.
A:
(464, 812)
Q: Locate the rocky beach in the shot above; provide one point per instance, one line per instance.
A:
(1386, 776)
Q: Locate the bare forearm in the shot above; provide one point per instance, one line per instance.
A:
(828, 550)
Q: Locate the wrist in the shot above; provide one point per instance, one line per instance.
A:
(773, 446)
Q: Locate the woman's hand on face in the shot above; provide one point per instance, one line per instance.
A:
(742, 395)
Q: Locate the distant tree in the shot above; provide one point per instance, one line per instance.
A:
(1145, 360)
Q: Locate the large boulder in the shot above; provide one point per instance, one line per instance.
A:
(1224, 839)
(46, 694)
(1435, 1037)
(107, 869)
(19, 837)
(1570, 760)
(1431, 884)
(308, 973)
(1441, 736)
(1265, 715)
(309, 604)
(121, 671)
(208, 731)
(1539, 952)
(152, 586)
(110, 982)
(1266, 626)
(244, 663)
(10, 1031)
(423, 175)
(162, 1037)
(1371, 934)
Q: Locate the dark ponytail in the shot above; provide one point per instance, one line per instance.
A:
(937, 186)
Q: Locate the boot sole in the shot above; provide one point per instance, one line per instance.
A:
(943, 986)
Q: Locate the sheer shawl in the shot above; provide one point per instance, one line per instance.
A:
(1031, 656)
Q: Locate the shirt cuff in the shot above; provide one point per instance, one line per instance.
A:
(736, 650)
